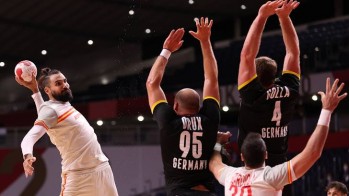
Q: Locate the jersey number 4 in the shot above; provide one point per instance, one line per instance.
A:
(277, 113)
(188, 141)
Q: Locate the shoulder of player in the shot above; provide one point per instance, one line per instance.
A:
(55, 106)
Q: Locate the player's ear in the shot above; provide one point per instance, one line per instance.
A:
(242, 157)
(175, 106)
(47, 90)
(266, 154)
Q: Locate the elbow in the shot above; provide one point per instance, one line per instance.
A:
(212, 78)
(23, 143)
(245, 54)
(150, 84)
(295, 53)
(211, 165)
(247, 58)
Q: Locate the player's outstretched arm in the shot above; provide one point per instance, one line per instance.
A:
(172, 43)
(290, 37)
(247, 67)
(203, 34)
(312, 151)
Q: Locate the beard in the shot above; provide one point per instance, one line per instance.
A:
(64, 96)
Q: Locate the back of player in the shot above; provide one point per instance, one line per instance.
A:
(186, 145)
(268, 112)
(260, 181)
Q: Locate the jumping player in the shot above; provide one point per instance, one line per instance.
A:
(265, 99)
(188, 132)
(85, 168)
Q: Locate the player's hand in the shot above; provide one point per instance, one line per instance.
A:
(203, 29)
(32, 85)
(223, 137)
(174, 40)
(331, 98)
(269, 8)
(27, 165)
(286, 8)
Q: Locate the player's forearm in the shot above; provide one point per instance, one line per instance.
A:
(216, 158)
(313, 149)
(317, 141)
(209, 60)
(27, 144)
(253, 37)
(27, 148)
(216, 164)
(38, 100)
(289, 35)
(157, 72)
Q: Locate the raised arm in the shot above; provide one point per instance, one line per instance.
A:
(216, 164)
(172, 43)
(33, 86)
(290, 37)
(203, 34)
(247, 67)
(312, 151)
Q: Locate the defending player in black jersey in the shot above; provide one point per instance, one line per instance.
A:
(188, 131)
(267, 102)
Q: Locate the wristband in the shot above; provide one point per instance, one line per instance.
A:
(217, 147)
(325, 118)
(165, 53)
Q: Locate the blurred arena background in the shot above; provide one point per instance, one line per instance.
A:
(106, 47)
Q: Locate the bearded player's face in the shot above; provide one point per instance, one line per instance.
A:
(59, 88)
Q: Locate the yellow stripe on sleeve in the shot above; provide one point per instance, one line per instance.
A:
(247, 82)
(293, 73)
(156, 103)
(210, 97)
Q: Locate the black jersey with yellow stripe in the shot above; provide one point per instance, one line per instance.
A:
(269, 111)
(187, 144)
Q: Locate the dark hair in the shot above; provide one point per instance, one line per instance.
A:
(266, 69)
(338, 186)
(45, 76)
(253, 150)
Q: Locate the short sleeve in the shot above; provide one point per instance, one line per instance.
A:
(251, 91)
(163, 114)
(290, 80)
(279, 175)
(210, 108)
